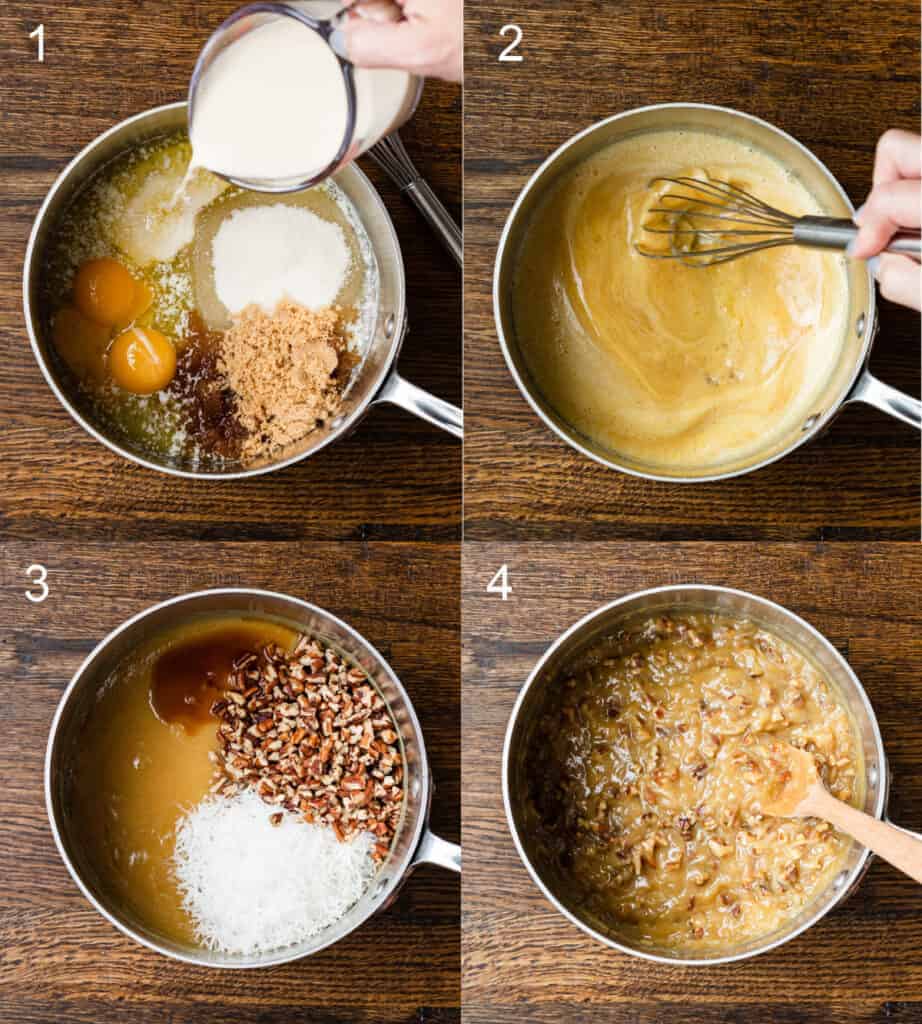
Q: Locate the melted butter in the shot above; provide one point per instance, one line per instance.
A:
(141, 210)
(143, 760)
(672, 366)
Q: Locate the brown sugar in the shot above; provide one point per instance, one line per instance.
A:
(282, 368)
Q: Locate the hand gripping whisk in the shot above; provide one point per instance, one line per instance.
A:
(711, 222)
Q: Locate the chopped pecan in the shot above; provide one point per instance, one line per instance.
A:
(310, 734)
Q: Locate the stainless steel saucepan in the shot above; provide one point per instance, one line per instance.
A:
(605, 622)
(850, 380)
(375, 381)
(413, 845)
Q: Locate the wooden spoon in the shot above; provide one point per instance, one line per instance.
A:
(803, 795)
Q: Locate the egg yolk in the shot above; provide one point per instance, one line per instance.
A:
(81, 343)
(142, 360)
(107, 293)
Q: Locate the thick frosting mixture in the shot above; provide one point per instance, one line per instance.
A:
(652, 768)
(675, 367)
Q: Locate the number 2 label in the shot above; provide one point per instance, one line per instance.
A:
(507, 55)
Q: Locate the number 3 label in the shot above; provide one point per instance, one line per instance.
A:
(38, 574)
(507, 55)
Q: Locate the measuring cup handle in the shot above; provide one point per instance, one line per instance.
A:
(874, 392)
(441, 853)
(399, 391)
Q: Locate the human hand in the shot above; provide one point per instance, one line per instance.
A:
(894, 202)
(425, 37)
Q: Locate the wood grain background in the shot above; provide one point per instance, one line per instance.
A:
(521, 959)
(368, 529)
(59, 960)
(833, 73)
(394, 478)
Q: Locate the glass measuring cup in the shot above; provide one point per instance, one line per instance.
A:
(373, 102)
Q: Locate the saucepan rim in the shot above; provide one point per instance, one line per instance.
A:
(420, 831)
(394, 327)
(568, 433)
(853, 875)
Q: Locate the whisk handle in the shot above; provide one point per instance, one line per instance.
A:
(906, 243)
(824, 232)
(438, 218)
(391, 156)
(838, 233)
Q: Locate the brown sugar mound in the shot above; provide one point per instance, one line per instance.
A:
(282, 370)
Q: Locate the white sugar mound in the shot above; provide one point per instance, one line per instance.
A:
(252, 887)
(263, 254)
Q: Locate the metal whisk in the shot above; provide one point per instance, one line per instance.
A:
(391, 156)
(701, 215)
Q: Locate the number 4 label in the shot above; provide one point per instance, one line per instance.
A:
(500, 583)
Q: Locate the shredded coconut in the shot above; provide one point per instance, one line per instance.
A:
(252, 887)
(263, 254)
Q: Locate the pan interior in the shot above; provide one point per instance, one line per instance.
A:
(78, 705)
(377, 332)
(608, 623)
(828, 393)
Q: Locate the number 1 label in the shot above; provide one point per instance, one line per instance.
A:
(39, 34)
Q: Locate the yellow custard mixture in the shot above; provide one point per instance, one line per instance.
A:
(144, 759)
(674, 367)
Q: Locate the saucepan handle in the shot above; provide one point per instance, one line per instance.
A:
(399, 391)
(908, 831)
(889, 400)
(432, 850)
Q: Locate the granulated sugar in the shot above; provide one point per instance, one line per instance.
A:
(263, 254)
(252, 887)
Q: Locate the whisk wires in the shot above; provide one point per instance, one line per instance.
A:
(698, 215)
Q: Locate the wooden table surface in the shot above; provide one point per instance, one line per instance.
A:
(59, 960)
(521, 959)
(394, 478)
(834, 74)
(369, 529)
